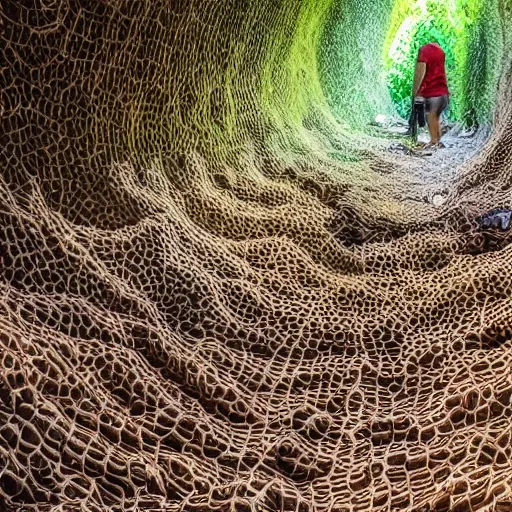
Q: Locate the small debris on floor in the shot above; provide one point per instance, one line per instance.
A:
(498, 218)
(438, 200)
(398, 147)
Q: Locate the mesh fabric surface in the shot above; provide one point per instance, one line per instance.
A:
(214, 296)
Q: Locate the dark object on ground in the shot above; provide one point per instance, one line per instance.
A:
(499, 218)
(417, 118)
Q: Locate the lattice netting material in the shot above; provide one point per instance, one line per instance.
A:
(216, 297)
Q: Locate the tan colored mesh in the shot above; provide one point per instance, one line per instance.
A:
(195, 321)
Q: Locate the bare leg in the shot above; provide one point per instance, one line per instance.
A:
(434, 127)
(436, 108)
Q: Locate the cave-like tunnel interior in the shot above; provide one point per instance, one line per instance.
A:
(227, 281)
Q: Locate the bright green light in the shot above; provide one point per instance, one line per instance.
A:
(469, 33)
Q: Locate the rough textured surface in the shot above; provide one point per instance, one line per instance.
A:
(213, 296)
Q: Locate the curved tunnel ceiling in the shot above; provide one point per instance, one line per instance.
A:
(221, 289)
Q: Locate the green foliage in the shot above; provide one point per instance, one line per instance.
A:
(367, 51)
(483, 65)
(470, 33)
(350, 60)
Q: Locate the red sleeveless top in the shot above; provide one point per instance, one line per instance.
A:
(434, 83)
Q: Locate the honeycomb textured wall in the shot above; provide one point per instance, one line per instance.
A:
(214, 295)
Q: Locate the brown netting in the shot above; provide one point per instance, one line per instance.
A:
(203, 309)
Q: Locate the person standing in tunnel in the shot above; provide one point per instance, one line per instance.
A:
(431, 86)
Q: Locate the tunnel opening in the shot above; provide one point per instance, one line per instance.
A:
(470, 34)
(367, 70)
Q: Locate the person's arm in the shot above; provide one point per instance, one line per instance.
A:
(419, 76)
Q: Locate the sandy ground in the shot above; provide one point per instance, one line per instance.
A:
(434, 170)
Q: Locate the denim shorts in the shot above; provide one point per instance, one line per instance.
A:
(437, 104)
